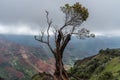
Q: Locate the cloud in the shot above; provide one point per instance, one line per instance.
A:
(19, 30)
(104, 14)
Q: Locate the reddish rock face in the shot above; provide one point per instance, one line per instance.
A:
(12, 54)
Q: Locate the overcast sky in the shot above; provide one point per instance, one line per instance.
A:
(27, 16)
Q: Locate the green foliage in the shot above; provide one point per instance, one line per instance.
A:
(106, 76)
(100, 69)
(75, 14)
(37, 77)
(103, 66)
(101, 51)
(26, 70)
(42, 76)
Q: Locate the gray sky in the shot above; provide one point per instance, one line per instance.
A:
(27, 16)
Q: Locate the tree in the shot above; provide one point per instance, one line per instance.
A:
(75, 15)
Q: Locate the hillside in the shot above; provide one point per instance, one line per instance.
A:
(21, 56)
(103, 66)
(76, 49)
(19, 62)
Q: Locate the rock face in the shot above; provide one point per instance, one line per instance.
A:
(21, 62)
(103, 66)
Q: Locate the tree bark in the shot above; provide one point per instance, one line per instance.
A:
(60, 73)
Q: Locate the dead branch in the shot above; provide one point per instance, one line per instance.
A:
(47, 42)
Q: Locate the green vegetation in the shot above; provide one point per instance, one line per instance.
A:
(42, 76)
(16, 71)
(27, 70)
(104, 66)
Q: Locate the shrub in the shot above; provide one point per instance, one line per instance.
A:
(106, 76)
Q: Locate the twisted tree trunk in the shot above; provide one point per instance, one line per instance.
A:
(60, 73)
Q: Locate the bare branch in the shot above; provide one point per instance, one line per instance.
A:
(40, 39)
(74, 33)
(49, 22)
(73, 29)
(45, 42)
(74, 21)
(63, 27)
(83, 33)
(66, 17)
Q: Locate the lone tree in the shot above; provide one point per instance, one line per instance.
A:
(75, 15)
